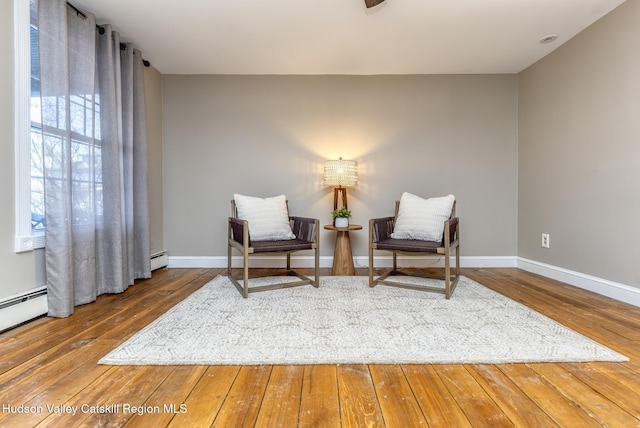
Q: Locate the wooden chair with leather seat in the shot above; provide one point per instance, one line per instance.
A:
(303, 235)
(381, 238)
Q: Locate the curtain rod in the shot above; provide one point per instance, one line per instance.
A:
(101, 30)
(78, 11)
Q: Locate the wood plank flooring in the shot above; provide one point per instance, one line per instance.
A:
(48, 368)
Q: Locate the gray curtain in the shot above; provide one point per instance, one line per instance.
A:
(95, 166)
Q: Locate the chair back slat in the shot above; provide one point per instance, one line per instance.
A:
(304, 229)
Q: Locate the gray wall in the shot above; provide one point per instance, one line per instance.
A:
(579, 143)
(267, 135)
(153, 99)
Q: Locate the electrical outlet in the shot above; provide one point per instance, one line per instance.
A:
(545, 240)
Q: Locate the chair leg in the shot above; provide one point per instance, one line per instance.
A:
(458, 260)
(451, 284)
(371, 226)
(245, 290)
(371, 283)
(447, 274)
(316, 260)
(317, 266)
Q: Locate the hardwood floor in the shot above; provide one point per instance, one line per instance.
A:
(53, 362)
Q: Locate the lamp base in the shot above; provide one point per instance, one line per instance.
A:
(342, 190)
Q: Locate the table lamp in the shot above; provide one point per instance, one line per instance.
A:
(340, 174)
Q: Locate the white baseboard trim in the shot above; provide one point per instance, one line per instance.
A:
(327, 261)
(615, 290)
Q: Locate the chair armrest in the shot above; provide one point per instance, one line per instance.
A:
(381, 228)
(237, 230)
(452, 226)
(305, 228)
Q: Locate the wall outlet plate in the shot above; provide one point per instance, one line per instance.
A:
(545, 240)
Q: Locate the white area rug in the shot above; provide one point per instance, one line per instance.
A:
(345, 321)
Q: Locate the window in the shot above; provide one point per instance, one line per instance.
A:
(28, 235)
(37, 149)
(37, 143)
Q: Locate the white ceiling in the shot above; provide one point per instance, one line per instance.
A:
(342, 36)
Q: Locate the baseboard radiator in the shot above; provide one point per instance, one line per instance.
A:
(159, 260)
(20, 308)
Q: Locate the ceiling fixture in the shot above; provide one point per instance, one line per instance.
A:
(548, 39)
(371, 3)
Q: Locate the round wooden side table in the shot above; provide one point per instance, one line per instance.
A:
(342, 256)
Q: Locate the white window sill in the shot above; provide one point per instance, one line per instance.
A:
(29, 243)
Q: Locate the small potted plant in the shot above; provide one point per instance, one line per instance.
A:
(341, 217)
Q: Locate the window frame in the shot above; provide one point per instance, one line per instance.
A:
(25, 238)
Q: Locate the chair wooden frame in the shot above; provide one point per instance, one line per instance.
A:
(380, 230)
(307, 235)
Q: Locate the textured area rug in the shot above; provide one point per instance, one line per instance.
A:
(345, 321)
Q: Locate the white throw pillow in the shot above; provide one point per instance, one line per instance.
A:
(268, 217)
(422, 219)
